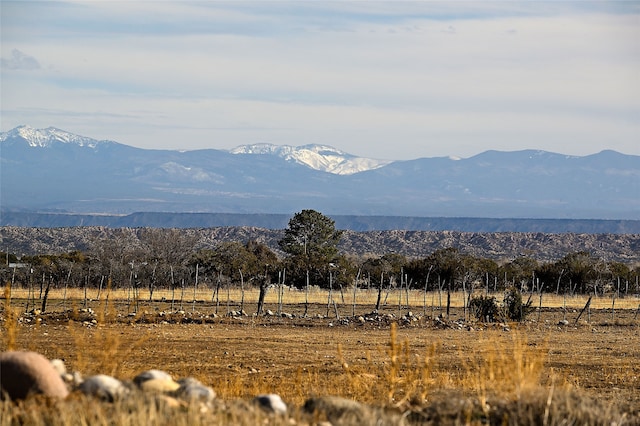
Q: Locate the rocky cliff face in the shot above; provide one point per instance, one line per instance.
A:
(498, 246)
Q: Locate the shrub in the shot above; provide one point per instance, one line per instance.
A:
(514, 308)
(485, 308)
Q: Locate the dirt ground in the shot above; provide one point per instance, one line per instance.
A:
(241, 356)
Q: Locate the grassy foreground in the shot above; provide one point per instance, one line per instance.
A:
(411, 370)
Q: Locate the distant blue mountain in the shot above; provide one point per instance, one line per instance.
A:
(53, 170)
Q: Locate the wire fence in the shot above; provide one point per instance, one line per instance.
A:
(281, 299)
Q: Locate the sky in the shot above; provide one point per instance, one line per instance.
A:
(389, 80)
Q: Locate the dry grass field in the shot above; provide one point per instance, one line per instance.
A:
(414, 369)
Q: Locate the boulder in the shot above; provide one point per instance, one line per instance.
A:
(332, 406)
(104, 387)
(341, 411)
(271, 403)
(151, 375)
(159, 385)
(72, 380)
(193, 390)
(58, 364)
(24, 373)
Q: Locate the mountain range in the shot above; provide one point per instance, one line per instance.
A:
(51, 170)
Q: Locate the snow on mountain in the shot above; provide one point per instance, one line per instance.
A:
(319, 157)
(196, 174)
(46, 137)
(271, 178)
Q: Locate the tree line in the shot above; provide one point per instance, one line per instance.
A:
(307, 255)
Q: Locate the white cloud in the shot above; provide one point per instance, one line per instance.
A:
(387, 81)
(19, 61)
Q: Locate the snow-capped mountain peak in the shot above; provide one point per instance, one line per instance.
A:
(46, 137)
(319, 157)
(116, 178)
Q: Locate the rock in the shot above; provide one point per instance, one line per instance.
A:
(563, 322)
(104, 387)
(72, 379)
(59, 366)
(170, 401)
(340, 411)
(24, 373)
(151, 375)
(336, 410)
(159, 385)
(193, 390)
(271, 403)
(185, 381)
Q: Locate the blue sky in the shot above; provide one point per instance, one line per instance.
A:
(389, 80)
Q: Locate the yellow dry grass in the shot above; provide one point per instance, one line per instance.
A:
(382, 364)
(292, 296)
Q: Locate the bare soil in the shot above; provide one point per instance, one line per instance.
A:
(351, 356)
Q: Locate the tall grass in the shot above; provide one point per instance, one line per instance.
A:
(96, 349)
(498, 366)
(504, 368)
(10, 323)
(290, 296)
(100, 348)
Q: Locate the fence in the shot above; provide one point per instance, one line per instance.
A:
(336, 303)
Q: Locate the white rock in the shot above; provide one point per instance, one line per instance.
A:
(73, 379)
(193, 390)
(159, 385)
(151, 375)
(59, 366)
(271, 403)
(104, 387)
